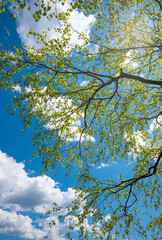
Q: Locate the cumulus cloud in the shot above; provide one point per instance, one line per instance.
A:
(58, 231)
(15, 224)
(21, 193)
(77, 20)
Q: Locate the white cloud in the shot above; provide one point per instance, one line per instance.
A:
(74, 134)
(103, 165)
(61, 113)
(31, 171)
(58, 231)
(20, 192)
(84, 83)
(129, 61)
(63, 117)
(156, 125)
(17, 88)
(141, 140)
(15, 224)
(14, 58)
(107, 217)
(25, 22)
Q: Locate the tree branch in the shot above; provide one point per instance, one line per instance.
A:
(128, 49)
(125, 184)
(143, 80)
(159, 4)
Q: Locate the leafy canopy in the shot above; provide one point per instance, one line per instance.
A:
(95, 103)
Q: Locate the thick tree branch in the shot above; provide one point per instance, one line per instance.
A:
(143, 80)
(114, 189)
(159, 2)
(99, 76)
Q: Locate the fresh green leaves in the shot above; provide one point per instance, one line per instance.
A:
(94, 104)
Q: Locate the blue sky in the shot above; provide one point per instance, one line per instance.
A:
(25, 195)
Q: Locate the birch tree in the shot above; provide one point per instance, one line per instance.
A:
(96, 103)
